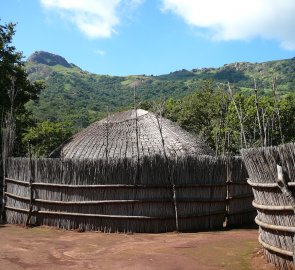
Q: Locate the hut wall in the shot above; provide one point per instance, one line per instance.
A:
(275, 215)
(122, 195)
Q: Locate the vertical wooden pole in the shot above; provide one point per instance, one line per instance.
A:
(136, 124)
(274, 88)
(223, 111)
(107, 136)
(170, 180)
(240, 116)
(257, 112)
(30, 187)
(3, 190)
(228, 195)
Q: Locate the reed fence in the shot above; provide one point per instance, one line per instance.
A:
(274, 200)
(239, 209)
(196, 193)
(1, 192)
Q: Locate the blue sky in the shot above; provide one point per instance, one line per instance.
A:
(125, 37)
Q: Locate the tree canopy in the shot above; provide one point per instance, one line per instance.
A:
(12, 72)
(15, 88)
(211, 112)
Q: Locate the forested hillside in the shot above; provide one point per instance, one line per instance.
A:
(80, 97)
(219, 105)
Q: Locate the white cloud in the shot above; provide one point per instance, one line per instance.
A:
(134, 4)
(100, 52)
(95, 18)
(239, 19)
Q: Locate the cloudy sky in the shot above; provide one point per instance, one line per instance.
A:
(123, 37)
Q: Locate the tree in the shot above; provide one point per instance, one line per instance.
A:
(199, 112)
(287, 113)
(212, 114)
(13, 78)
(12, 71)
(46, 136)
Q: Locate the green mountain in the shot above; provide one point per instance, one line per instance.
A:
(80, 97)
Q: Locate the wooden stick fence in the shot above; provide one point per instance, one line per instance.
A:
(101, 195)
(239, 194)
(1, 192)
(272, 177)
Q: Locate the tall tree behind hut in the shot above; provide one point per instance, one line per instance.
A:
(15, 92)
(198, 113)
(13, 76)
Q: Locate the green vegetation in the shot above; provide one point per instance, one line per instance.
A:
(70, 99)
(210, 113)
(79, 97)
(46, 136)
(15, 91)
(13, 75)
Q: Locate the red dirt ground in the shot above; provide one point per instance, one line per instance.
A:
(49, 248)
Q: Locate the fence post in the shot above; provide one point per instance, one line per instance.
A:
(4, 188)
(170, 178)
(30, 188)
(2, 192)
(228, 195)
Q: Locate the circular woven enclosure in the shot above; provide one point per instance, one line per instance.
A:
(275, 213)
(132, 134)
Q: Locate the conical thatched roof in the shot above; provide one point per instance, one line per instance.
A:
(131, 134)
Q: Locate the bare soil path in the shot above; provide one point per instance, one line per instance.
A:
(49, 248)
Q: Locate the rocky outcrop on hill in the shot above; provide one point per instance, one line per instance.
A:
(46, 58)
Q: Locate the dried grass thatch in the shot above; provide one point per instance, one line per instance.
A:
(275, 217)
(132, 134)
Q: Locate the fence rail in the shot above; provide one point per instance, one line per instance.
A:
(119, 195)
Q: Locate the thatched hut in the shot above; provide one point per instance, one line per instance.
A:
(133, 171)
(132, 134)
